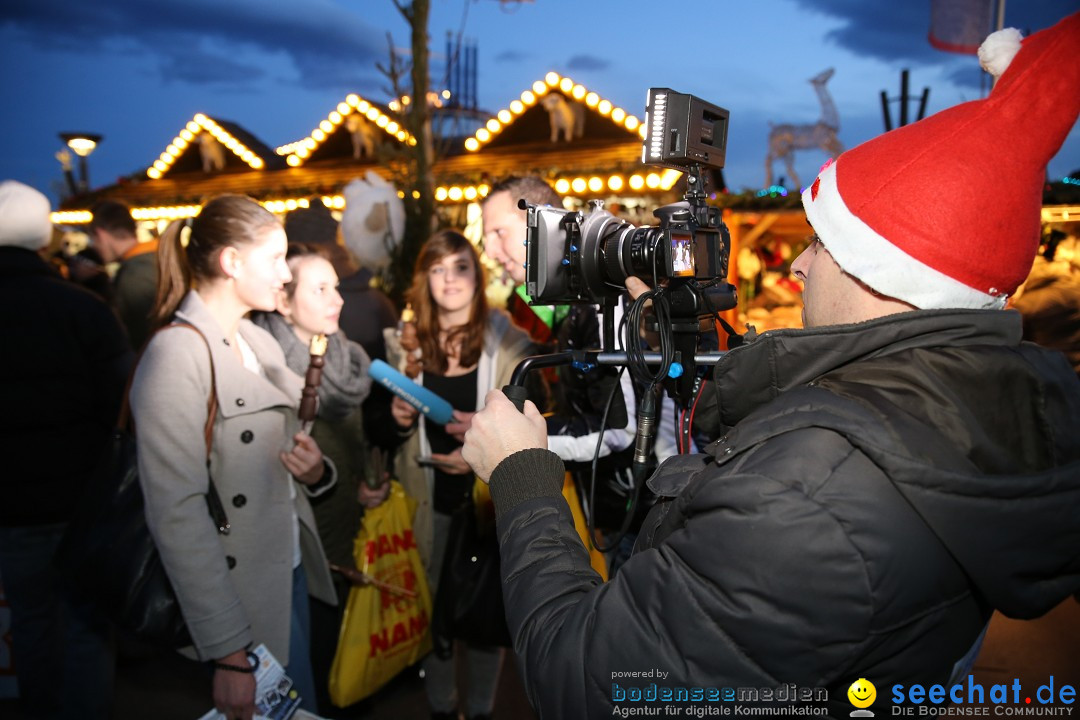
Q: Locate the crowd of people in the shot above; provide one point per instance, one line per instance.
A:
(871, 487)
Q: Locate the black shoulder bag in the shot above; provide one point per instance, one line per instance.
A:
(107, 553)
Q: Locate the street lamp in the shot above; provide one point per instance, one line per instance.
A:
(82, 144)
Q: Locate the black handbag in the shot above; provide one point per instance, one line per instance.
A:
(107, 554)
(469, 600)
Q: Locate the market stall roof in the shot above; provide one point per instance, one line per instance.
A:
(353, 126)
(243, 151)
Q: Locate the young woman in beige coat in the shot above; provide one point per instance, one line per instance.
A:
(249, 586)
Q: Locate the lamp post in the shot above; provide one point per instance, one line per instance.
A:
(82, 144)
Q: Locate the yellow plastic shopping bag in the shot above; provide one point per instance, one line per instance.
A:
(385, 628)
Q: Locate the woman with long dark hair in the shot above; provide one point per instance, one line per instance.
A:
(251, 585)
(466, 349)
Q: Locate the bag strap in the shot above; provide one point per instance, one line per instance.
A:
(213, 500)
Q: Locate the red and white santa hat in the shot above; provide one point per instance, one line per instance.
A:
(944, 213)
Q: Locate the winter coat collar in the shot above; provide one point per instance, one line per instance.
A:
(240, 390)
(779, 360)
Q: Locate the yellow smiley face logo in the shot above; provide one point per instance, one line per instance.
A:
(862, 693)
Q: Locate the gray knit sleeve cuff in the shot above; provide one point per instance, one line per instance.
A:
(525, 475)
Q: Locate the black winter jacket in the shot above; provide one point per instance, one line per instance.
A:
(879, 489)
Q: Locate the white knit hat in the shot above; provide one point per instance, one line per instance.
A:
(945, 212)
(24, 216)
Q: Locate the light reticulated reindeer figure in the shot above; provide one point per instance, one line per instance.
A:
(363, 137)
(566, 118)
(785, 139)
(212, 153)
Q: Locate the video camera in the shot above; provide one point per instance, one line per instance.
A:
(573, 257)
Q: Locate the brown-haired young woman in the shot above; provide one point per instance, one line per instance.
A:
(249, 586)
(466, 350)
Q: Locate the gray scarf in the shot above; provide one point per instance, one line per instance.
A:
(345, 379)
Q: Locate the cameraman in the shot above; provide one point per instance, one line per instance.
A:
(580, 396)
(890, 475)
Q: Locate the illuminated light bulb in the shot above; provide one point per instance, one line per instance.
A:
(372, 113)
(344, 108)
(552, 79)
(412, 140)
(405, 100)
(578, 92)
(517, 107)
(257, 163)
(636, 182)
(483, 190)
(505, 117)
(187, 134)
(440, 194)
(472, 144)
(339, 202)
(302, 152)
(200, 118)
(309, 144)
(618, 115)
(528, 98)
(642, 131)
(392, 127)
(352, 99)
(615, 183)
(455, 193)
(562, 186)
(566, 85)
(631, 123)
(652, 180)
(539, 88)
(291, 205)
(335, 117)
(293, 161)
(604, 107)
(164, 157)
(493, 125)
(192, 127)
(153, 173)
(160, 166)
(578, 185)
(592, 99)
(596, 184)
(415, 194)
(470, 193)
(382, 121)
(326, 126)
(318, 135)
(483, 135)
(363, 106)
(181, 143)
(327, 200)
(393, 105)
(172, 149)
(401, 135)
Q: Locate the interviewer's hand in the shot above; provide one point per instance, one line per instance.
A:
(404, 414)
(459, 425)
(499, 430)
(305, 460)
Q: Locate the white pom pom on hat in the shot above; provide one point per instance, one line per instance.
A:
(24, 216)
(945, 212)
(998, 50)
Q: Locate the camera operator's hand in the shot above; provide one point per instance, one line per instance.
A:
(636, 287)
(499, 430)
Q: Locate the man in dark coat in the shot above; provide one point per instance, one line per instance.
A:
(62, 375)
(135, 283)
(884, 479)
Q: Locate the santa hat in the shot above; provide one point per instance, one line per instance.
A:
(24, 216)
(944, 213)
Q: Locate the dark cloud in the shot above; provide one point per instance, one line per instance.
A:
(510, 56)
(899, 30)
(587, 63)
(327, 44)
